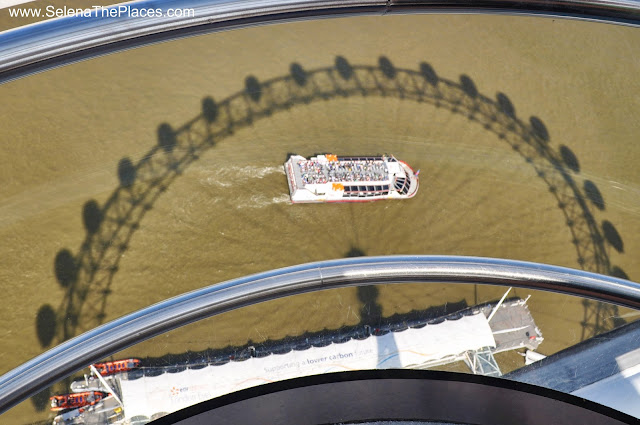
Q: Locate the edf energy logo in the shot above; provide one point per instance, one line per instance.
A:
(176, 391)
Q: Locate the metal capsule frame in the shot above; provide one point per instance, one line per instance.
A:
(56, 42)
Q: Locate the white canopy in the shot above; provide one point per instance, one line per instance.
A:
(170, 392)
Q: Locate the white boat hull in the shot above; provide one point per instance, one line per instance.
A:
(329, 179)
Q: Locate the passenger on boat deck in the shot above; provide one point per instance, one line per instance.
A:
(312, 172)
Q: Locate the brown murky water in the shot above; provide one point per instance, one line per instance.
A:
(99, 218)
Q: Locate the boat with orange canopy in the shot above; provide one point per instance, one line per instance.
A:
(116, 366)
(75, 400)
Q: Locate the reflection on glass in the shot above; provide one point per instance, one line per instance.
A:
(493, 331)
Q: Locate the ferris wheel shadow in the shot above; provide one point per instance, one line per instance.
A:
(87, 275)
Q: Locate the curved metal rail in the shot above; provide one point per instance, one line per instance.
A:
(49, 44)
(112, 337)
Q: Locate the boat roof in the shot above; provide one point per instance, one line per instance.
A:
(329, 168)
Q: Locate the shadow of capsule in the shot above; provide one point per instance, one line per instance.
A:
(126, 172)
(65, 268)
(468, 86)
(40, 401)
(387, 68)
(505, 105)
(209, 109)
(594, 195)
(539, 129)
(616, 271)
(569, 158)
(429, 74)
(344, 68)
(253, 88)
(46, 324)
(166, 137)
(612, 236)
(91, 216)
(355, 252)
(298, 74)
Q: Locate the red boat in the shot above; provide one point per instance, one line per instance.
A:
(75, 400)
(116, 366)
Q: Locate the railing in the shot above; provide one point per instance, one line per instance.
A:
(57, 42)
(112, 337)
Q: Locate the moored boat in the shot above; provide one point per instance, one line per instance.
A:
(75, 400)
(332, 178)
(116, 366)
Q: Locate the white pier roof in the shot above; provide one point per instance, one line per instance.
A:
(410, 348)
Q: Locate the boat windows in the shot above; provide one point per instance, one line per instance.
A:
(402, 185)
(360, 158)
(365, 191)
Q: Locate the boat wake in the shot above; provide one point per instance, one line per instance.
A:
(234, 175)
(261, 201)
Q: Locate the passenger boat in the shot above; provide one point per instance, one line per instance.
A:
(116, 366)
(332, 178)
(75, 400)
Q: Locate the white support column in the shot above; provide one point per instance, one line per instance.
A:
(107, 386)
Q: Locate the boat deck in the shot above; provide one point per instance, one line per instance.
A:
(343, 170)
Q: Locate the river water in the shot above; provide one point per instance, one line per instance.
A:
(118, 192)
